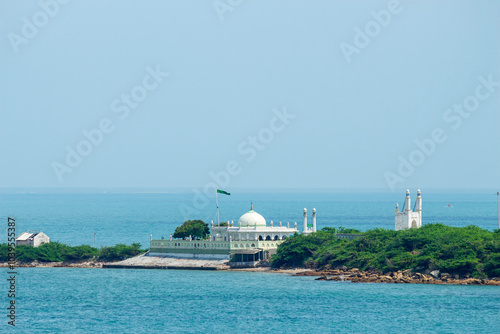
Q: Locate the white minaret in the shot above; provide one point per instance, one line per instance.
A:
(305, 222)
(314, 220)
(407, 201)
(418, 207)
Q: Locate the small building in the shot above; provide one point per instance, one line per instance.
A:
(33, 239)
(409, 218)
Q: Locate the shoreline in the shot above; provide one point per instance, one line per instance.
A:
(338, 275)
(399, 277)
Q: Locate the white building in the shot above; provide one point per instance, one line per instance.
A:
(250, 240)
(33, 239)
(251, 227)
(407, 218)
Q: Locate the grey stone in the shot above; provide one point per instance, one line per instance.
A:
(435, 273)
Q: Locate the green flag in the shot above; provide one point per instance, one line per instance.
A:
(223, 192)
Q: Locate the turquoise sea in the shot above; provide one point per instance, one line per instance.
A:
(73, 218)
(63, 300)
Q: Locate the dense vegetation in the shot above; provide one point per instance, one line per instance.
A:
(58, 252)
(197, 229)
(464, 251)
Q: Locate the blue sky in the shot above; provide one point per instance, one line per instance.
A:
(250, 94)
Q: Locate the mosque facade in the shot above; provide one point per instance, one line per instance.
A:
(408, 218)
(251, 239)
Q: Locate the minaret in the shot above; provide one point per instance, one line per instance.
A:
(407, 201)
(314, 220)
(397, 208)
(305, 221)
(418, 207)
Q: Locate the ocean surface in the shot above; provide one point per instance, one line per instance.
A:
(73, 218)
(64, 300)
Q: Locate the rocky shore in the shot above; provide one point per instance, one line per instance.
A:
(36, 264)
(137, 262)
(340, 274)
(407, 276)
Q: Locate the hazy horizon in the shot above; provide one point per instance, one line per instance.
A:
(379, 95)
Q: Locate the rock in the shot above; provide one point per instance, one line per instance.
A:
(456, 276)
(354, 270)
(435, 273)
(418, 276)
(343, 268)
(492, 282)
(445, 276)
(470, 281)
(322, 278)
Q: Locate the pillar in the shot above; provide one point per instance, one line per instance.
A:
(418, 207)
(314, 220)
(407, 201)
(305, 221)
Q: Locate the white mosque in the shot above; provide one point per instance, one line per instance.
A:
(250, 240)
(407, 218)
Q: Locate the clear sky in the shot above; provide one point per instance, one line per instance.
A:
(276, 94)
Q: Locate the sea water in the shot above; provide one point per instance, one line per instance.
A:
(73, 218)
(66, 300)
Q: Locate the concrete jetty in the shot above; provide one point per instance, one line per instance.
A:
(155, 262)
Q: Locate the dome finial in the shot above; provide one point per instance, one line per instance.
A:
(251, 206)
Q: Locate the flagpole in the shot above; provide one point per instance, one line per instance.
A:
(498, 209)
(217, 201)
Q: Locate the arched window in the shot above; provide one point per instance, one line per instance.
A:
(268, 238)
(261, 238)
(253, 245)
(276, 238)
(284, 237)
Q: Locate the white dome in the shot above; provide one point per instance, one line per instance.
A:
(251, 218)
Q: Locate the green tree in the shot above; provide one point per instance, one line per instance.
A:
(194, 228)
(464, 251)
(120, 252)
